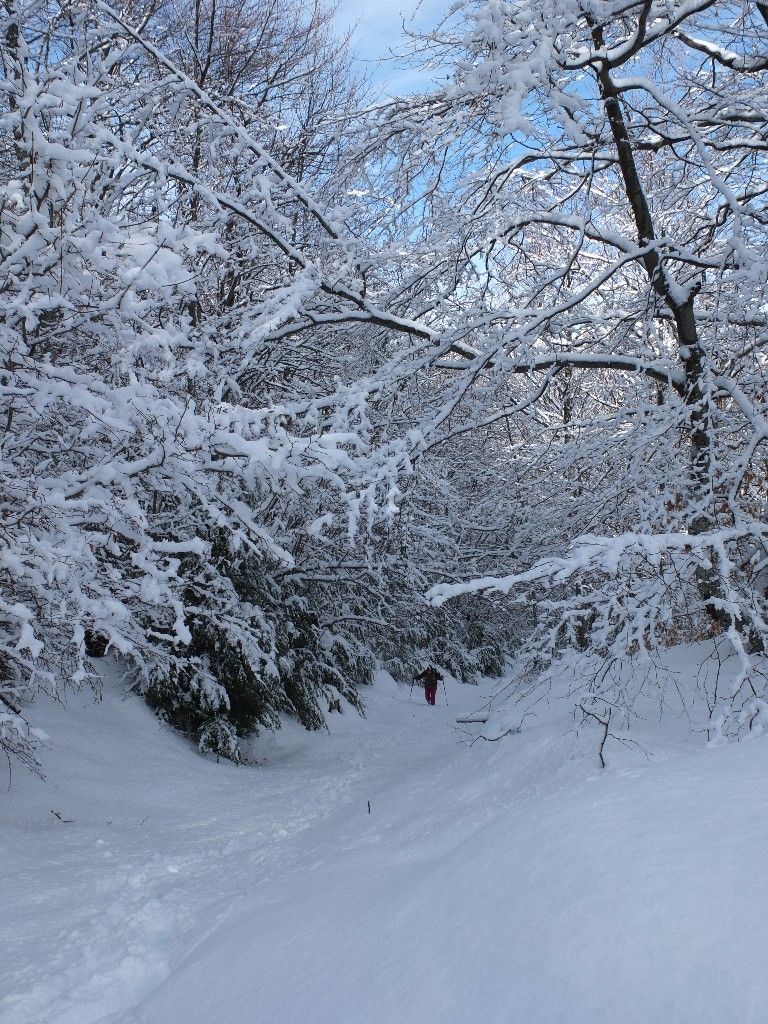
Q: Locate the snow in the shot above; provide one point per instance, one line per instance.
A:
(491, 882)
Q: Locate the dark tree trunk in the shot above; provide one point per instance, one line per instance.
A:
(700, 498)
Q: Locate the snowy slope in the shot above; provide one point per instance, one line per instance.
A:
(496, 883)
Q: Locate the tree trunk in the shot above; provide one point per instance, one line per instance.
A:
(701, 498)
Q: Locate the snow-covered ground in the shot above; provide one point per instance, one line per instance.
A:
(492, 883)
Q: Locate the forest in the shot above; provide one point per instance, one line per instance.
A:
(300, 381)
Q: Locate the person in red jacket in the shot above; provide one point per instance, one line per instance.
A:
(429, 679)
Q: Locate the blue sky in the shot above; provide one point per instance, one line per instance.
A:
(379, 31)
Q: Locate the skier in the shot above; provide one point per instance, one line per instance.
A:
(429, 679)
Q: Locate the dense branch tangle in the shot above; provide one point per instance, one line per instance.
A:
(596, 198)
(201, 370)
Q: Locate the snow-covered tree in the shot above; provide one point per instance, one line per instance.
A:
(584, 203)
(159, 444)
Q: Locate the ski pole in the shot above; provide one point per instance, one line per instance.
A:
(445, 693)
(411, 690)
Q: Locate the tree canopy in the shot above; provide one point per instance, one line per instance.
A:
(296, 382)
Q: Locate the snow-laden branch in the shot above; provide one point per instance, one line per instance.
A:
(603, 555)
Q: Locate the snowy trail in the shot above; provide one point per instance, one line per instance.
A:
(502, 883)
(123, 902)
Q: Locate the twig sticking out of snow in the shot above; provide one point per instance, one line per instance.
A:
(604, 720)
(61, 818)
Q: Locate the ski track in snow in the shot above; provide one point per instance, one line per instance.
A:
(503, 882)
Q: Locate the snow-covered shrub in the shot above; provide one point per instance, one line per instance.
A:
(218, 737)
